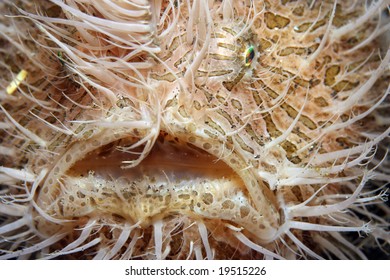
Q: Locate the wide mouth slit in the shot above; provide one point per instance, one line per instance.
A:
(176, 178)
(169, 160)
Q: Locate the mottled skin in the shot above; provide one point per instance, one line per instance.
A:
(127, 129)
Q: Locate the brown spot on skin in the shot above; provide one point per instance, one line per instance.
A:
(243, 145)
(236, 104)
(197, 105)
(304, 119)
(270, 92)
(254, 135)
(226, 116)
(301, 135)
(169, 77)
(221, 99)
(344, 86)
(294, 159)
(341, 18)
(327, 59)
(307, 122)
(207, 198)
(207, 94)
(271, 127)
(306, 83)
(172, 102)
(302, 28)
(207, 146)
(183, 59)
(264, 45)
(275, 21)
(182, 111)
(298, 50)
(344, 142)
(227, 204)
(321, 102)
(215, 126)
(288, 147)
(230, 85)
(256, 96)
(184, 196)
(244, 211)
(229, 30)
(299, 11)
(213, 73)
(330, 74)
(227, 46)
(291, 50)
(221, 57)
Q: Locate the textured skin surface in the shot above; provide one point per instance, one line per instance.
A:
(151, 134)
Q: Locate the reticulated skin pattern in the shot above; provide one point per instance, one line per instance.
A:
(194, 129)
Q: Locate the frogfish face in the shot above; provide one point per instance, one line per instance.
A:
(194, 129)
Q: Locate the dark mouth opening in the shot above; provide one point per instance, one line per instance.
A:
(169, 160)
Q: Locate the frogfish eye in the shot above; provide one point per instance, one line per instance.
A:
(249, 55)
